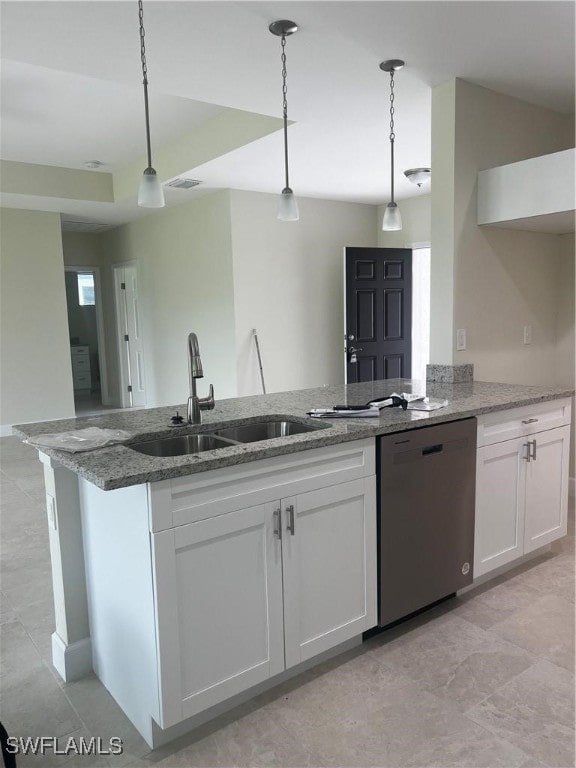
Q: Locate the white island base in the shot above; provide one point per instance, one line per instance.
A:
(204, 590)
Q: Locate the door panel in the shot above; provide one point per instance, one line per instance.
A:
(546, 489)
(329, 568)
(378, 313)
(135, 343)
(500, 490)
(219, 586)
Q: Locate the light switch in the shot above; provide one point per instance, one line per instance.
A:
(527, 334)
(461, 339)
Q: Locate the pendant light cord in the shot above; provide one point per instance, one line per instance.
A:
(285, 110)
(392, 135)
(145, 81)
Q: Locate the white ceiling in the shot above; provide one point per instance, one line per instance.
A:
(72, 83)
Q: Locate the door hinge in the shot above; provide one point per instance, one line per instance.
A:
(126, 337)
(129, 387)
(123, 286)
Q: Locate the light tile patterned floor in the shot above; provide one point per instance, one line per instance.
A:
(482, 680)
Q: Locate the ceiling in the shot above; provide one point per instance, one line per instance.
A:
(72, 84)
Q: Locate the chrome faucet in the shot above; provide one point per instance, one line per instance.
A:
(196, 404)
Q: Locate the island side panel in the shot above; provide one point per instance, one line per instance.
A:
(121, 598)
(71, 646)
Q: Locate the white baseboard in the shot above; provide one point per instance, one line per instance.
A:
(572, 486)
(71, 661)
(5, 430)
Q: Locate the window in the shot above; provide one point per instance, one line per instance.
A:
(86, 289)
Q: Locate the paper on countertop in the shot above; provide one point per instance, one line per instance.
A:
(77, 440)
(422, 403)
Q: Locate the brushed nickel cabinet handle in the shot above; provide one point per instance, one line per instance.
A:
(528, 453)
(529, 421)
(533, 449)
(290, 526)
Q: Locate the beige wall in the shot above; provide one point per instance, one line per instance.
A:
(81, 249)
(288, 283)
(184, 261)
(502, 279)
(416, 222)
(36, 375)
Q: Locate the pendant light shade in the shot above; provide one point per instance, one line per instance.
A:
(392, 220)
(287, 205)
(150, 192)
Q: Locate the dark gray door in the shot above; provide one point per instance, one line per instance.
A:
(378, 313)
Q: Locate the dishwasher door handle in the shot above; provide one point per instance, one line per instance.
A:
(433, 449)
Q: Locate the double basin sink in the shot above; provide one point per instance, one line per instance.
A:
(180, 445)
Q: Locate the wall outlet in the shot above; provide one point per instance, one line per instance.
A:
(461, 339)
(527, 334)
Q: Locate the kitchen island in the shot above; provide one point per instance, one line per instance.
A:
(190, 581)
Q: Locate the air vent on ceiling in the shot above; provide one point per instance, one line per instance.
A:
(76, 225)
(183, 183)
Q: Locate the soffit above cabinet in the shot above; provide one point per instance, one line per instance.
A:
(538, 194)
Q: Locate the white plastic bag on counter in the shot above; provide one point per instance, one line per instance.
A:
(78, 440)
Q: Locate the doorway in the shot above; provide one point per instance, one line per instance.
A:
(387, 313)
(129, 335)
(86, 333)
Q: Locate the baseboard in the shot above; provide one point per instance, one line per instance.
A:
(6, 430)
(71, 661)
(572, 486)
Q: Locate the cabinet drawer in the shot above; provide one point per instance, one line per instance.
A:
(518, 422)
(81, 349)
(81, 380)
(81, 363)
(188, 499)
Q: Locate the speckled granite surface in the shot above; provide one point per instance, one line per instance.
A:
(119, 466)
(450, 374)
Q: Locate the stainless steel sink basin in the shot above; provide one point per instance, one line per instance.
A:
(180, 445)
(265, 430)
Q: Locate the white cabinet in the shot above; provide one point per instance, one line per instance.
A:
(329, 567)
(537, 194)
(81, 373)
(247, 594)
(521, 483)
(546, 488)
(217, 581)
(219, 606)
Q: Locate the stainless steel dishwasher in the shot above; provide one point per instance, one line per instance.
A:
(427, 480)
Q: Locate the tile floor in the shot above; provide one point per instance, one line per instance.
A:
(482, 680)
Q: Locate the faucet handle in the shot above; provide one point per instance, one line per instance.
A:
(207, 403)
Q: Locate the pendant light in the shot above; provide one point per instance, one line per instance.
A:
(150, 193)
(287, 205)
(392, 220)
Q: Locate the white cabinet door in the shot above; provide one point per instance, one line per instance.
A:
(499, 529)
(547, 488)
(329, 565)
(219, 609)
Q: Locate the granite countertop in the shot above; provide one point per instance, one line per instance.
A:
(119, 466)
